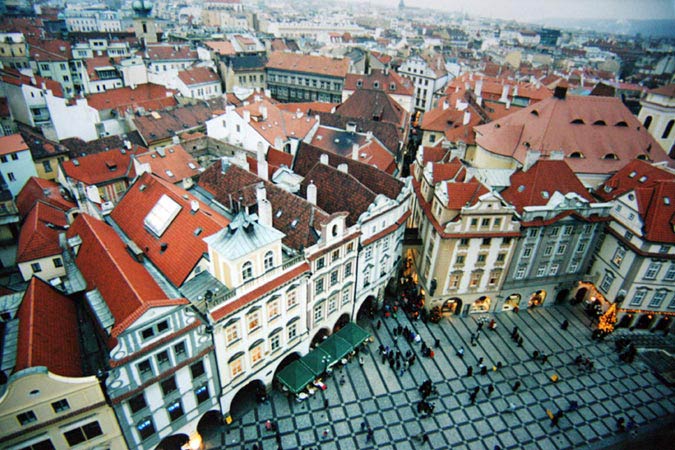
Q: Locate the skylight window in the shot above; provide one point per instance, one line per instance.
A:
(279, 213)
(169, 173)
(161, 215)
(666, 201)
(192, 166)
(642, 179)
(632, 174)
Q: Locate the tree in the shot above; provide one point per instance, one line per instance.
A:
(607, 320)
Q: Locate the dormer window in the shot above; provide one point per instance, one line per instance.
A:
(247, 271)
(642, 179)
(610, 156)
(359, 83)
(643, 157)
(376, 84)
(632, 174)
(621, 124)
(392, 87)
(534, 112)
(577, 122)
(576, 155)
(599, 122)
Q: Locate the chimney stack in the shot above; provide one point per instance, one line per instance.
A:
(260, 192)
(355, 152)
(323, 159)
(263, 169)
(560, 91)
(505, 93)
(311, 192)
(467, 118)
(263, 112)
(531, 157)
(343, 167)
(351, 127)
(479, 87)
(247, 116)
(265, 212)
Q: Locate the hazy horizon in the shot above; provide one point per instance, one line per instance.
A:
(532, 10)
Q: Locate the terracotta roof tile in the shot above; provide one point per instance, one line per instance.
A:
(127, 287)
(667, 90)
(387, 133)
(149, 96)
(38, 189)
(593, 127)
(100, 168)
(50, 50)
(279, 123)
(39, 235)
(292, 215)
(294, 62)
(224, 48)
(374, 105)
(178, 250)
(657, 208)
(535, 186)
(341, 142)
(635, 174)
(308, 107)
(12, 144)
(172, 164)
(450, 122)
(168, 52)
(48, 331)
(382, 80)
(168, 123)
(198, 75)
(463, 194)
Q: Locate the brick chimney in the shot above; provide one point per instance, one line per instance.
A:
(311, 192)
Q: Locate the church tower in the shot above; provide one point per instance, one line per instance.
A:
(144, 25)
(401, 5)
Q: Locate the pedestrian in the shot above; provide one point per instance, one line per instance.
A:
(499, 364)
(325, 403)
(278, 438)
(480, 361)
(480, 326)
(268, 425)
(425, 438)
(516, 385)
(514, 332)
(476, 390)
(492, 325)
(379, 324)
(369, 436)
(535, 355)
(483, 369)
(490, 389)
(620, 424)
(469, 371)
(255, 447)
(564, 325)
(520, 341)
(473, 397)
(363, 425)
(544, 358)
(460, 352)
(437, 343)
(325, 432)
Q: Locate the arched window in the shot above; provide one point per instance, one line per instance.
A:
(576, 155)
(666, 132)
(610, 156)
(269, 260)
(599, 122)
(247, 271)
(648, 121)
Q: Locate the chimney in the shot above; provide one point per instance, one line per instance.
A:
(343, 167)
(263, 112)
(467, 118)
(247, 116)
(505, 93)
(557, 155)
(262, 169)
(351, 127)
(278, 143)
(260, 192)
(369, 135)
(298, 114)
(355, 152)
(194, 205)
(446, 105)
(560, 91)
(386, 71)
(323, 159)
(311, 192)
(265, 212)
(479, 87)
(531, 157)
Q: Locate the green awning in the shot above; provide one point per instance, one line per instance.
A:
(317, 361)
(295, 376)
(336, 347)
(353, 334)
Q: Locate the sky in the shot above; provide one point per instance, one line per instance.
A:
(524, 10)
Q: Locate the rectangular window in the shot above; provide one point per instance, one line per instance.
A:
(45, 444)
(256, 354)
(498, 222)
(460, 260)
(553, 270)
(541, 271)
(179, 350)
(318, 312)
(145, 428)
(555, 231)
(335, 255)
(291, 299)
(318, 286)
(670, 273)
(548, 250)
(533, 232)
(332, 304)
(567, 230)
(60, 406)
(202, 394)
(144, 369)
(474, 222)
(83, 433)
(369, 252)
(57, 262)
(35, 267)
(639, 296)
(26, 417)
(292, 331)
(348, 269)
(574, 266)
(253, 321)
(527, 251)
(562, 248)
(320, 263)
(628, 235)
(582, 246)
(334, 278)
(345, 297)
(137, 403)
(475, 279)
(481, 258)
(652, 271)
(485, 223)
(275, 342)
(658, 298)
(454, 281)
(15, 157)
(619, 254)
(197, 369)
(506, 240)
(169, 385)
(463, 242)
(47, 166)
(163, 359)
(501, 257)
(607, 281)
(273, 309)
(486, 241)
(520, 273)
(236, 367)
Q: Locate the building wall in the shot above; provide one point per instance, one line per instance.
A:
(59, 405)
(289, 86)
(77, 120)
(16, 168)
(661, 109)
(49, 268)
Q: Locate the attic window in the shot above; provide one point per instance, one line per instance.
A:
(577, 122)
(294, 224)
(608, 188)
(545, 194)
(112, 166)
(392, 87)
(169, 173)
(621, 124)
(643, 157)
(359, 83)
(198, 231)
(600, 122)
(576, 155)
(192, 166)
(534, 112)
(279, 213)
(376, 85)
(163, 246)
(666, 201)
(161, 215)
(610, 156)
(521, 188)
(642, 179)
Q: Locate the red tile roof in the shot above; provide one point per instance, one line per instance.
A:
(198, 75)
(277, 158)
(48, 331)
(168, 123)
(126, 286)
(445, 171)
(450, 122)
(535, 186)
(382, 80)
(245, 299)
(306, 107)
(50, 50)
(294, 62)
(38, 189)
(39, 235)
(657, 208)
(635, 174)
(149, 96)
(172, 164)
(279, 123)
(667, 90)
(15, 78)
(12, 144)
(463, 194)
(224, 48)
(340, 142)
(185, 244)
(168, 52)
(376, 105)
(100, 168)
(594, 128)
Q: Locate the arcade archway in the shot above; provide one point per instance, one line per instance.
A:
(319, 337)
(173, 442)
(662, 324)
(625, 321)
(368, 308)
(580, 296)
(512, 302)
(451, 307)
(247, 398)
(536, 299)
(481, 305)
(209, 425)
(644, 322)
(562, 296)
(341, 322)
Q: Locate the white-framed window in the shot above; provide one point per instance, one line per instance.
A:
(460, 260)
(231, 333)
(236, 367)
(247, 271)
(348, 269)
(671, 305)
(369, 252)
(454, 281)
(275, 342)
(291, 299)
(619, 254)
(658, 298)
(292, 331)
(533, 232)
(652, 271)
(567, 230)
(670, 273)
(273, 309)
(475, 279)
(582, 246)
(553, 270)
(335, 255)
(562, 248)
(253, 321)
(332, 304)
(555, 231)
(334, 277)
(607, 281)
(541, 271)
(548, 250)
(320, 263)
(574, 266)
(318, 286)
(345, 296)
(527, 251)
(318, 312)
(269, 260)
(256, 354)
(520, 273)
